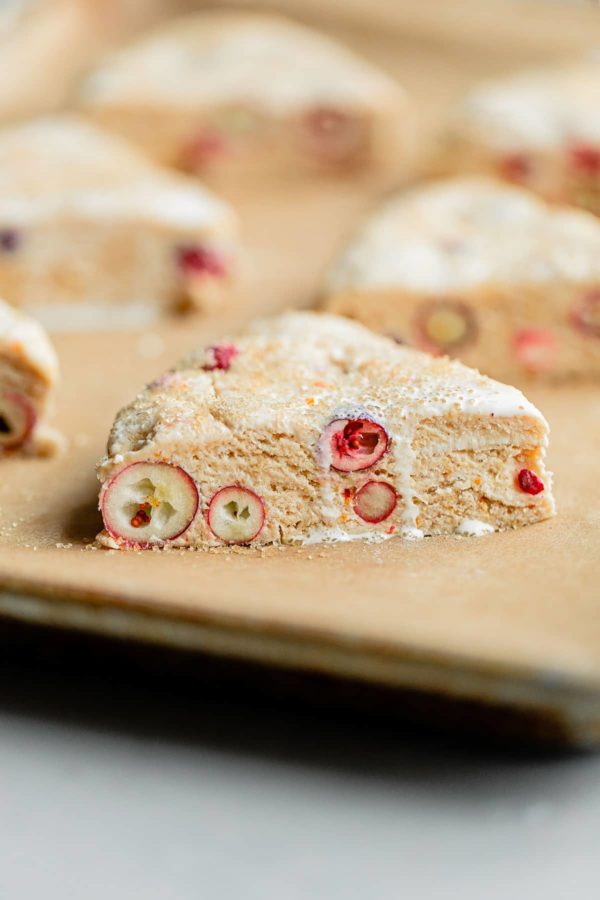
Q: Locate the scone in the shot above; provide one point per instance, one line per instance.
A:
(94, 235)
(309, 428)
(247, 93)
(28, 377)
(481, 270)
(539, 129)
(44, 46)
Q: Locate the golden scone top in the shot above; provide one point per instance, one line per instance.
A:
(469, 231)
(222, 57)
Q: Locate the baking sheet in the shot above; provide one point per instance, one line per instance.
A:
(511, 618)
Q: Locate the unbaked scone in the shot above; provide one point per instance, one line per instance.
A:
(244, 93)
(309, 428)
(94, 235)
(539, 129)
(28, 378)
(481, 270)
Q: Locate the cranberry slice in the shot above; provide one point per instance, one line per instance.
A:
(375, 501)
(195, 259)
(353, 444)
(585, 315)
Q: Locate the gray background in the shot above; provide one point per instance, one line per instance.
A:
(122, 778)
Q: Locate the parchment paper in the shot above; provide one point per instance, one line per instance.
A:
(511, 618)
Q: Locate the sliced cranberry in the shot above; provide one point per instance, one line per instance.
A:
(586, 314)
(535, 348)
(334, 135)
(220, 357)
(529, 482)
(149, 503)
(349, 445)
(236, 515)
(17, 420)
(9, 240)
(375, 501)
(516, 167)
(204, 148)
(198, 260)
(585, 158)
(446, 325)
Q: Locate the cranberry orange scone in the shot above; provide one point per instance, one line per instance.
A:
(44, 47)
(245, 93)
(540, 129)
(481, 270)
(28, 376)
(309, 427)
(92, 234)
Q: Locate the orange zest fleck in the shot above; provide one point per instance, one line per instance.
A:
(142, 516)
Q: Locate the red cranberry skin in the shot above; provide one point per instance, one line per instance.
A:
(353, 444)
(516, 167)
(29, 420)
(585, 159)
(535, 349)
(222, 356)
(198, 260)
(204, 149)
(529, 482)
(585, 315)
(334, 136)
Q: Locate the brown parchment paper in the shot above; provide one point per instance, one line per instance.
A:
(511, 618)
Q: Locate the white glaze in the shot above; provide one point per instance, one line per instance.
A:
(466, 232)
(474, 528)
(60, 166)
(540, 110)
(265, 62)
(327, 535)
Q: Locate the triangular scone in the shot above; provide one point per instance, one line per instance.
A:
(308, 428)
(245, 92)
(44, 47)
(480, 270)
(538, 128)
(94, 235)
(28, 377)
